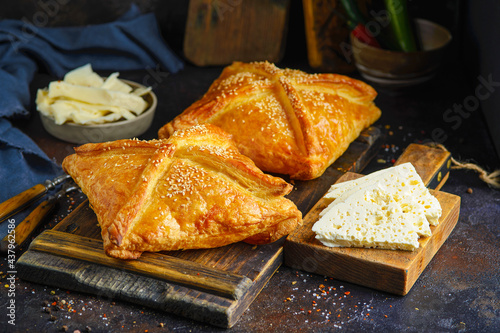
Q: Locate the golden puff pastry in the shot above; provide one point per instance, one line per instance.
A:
(194, 190)
(285, 120)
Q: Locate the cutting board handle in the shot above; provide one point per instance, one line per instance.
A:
(432, 164)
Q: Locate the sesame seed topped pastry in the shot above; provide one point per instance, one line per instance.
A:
(194, 190)
(287, 121)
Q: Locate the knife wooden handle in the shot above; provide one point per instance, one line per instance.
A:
(20, 201)
(24, 229)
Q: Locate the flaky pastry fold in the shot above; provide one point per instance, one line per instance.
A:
(287, 121)
(194, 190)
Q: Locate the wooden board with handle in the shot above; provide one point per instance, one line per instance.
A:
(387, 270)
(214, 286)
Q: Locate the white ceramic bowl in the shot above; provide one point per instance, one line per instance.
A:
(121, 129)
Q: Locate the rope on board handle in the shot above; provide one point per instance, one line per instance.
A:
(490, 178)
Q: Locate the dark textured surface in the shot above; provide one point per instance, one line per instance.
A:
(458, 291)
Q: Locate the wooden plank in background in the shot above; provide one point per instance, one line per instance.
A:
(220, 32)
(327, 36)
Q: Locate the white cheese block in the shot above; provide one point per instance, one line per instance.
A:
(365, 226)
(388, 209)
(371, 218)
(402, 181)
(338, 189)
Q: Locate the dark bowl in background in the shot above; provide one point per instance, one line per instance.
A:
(396, 68)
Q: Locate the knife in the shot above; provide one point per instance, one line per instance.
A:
(23, 230)
(23, 199)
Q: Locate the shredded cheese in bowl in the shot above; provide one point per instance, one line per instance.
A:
(85, 98)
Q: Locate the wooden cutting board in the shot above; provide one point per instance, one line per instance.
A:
(386, 270)
(214, 286)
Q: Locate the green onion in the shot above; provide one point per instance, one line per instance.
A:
(400, 24)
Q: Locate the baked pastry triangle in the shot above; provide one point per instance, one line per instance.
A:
(194, 190)
(285, 120)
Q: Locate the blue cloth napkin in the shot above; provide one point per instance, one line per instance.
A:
(22, 165)
(131, 42)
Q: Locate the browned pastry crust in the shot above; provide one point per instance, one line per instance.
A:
(285, 120)
(194, 190)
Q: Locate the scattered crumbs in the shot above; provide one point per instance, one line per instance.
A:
(469, 190)
(330, 303)
(390, 152)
